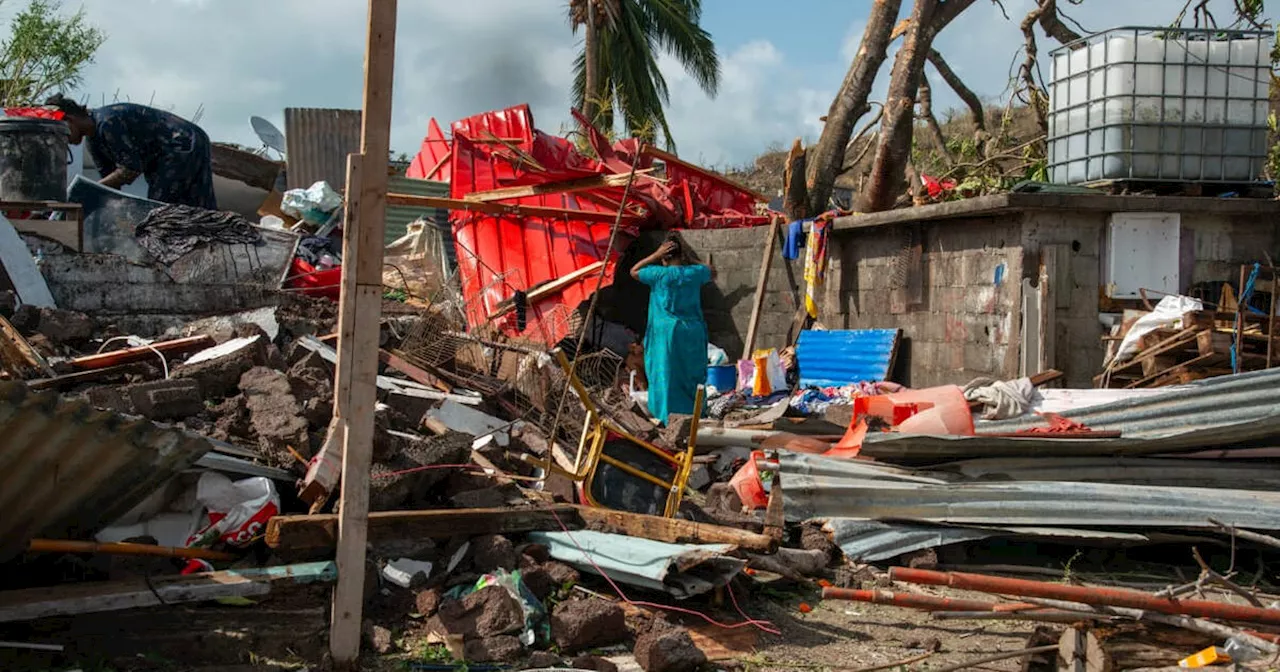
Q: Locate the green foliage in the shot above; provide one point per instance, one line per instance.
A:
(45, 52)
(631, 36)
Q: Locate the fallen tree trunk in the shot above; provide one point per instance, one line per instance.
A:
(826, 159)
(888, 168)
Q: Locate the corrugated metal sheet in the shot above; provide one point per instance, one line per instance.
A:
(916, 449)
(318, 142)
(682, 570)
(399, 217)
(874, 540)
(1215, 402)
(818, 487)
(68, 470)
(845, 356)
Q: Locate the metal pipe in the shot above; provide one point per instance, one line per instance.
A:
(913, 601)
(1116, 597)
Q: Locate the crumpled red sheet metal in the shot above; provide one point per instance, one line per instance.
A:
(1057, 425)
(35, 112)
(499, 255)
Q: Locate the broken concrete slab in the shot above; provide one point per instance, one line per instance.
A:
(500, 649)
(275, 414)
(59, 326)
(667, 648)
(223, 327)
(491, 552)
(405, 479)
(219, 369)
(488, 612)
(171, 399)
(577, 625)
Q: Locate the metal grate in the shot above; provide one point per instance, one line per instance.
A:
(1160, 104)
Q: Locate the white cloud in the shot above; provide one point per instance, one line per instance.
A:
(236, 58)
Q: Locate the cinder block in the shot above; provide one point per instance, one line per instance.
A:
(171, 399)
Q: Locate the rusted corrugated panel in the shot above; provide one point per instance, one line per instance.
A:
(318, 142)
(67, 470)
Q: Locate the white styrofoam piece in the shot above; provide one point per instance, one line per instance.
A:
(402, 570)
(220, 351)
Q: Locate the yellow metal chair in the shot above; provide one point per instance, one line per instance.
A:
(602, 436)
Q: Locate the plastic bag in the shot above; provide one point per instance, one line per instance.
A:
(716, 356)
(314, 204)
(763, 374)
(238, 512)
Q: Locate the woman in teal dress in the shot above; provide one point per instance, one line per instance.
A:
(675, 341)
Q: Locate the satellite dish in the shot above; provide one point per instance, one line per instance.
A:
(268, 133)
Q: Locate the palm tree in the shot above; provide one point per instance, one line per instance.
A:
(617, 69)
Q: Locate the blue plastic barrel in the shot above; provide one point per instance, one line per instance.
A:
(723, 378)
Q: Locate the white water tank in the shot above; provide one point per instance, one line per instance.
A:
(1160, 104)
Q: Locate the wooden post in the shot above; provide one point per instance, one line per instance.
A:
(762, 285)
(360, 309)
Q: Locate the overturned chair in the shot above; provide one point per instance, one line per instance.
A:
(615, 469)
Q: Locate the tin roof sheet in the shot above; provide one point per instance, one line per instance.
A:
(68, 470)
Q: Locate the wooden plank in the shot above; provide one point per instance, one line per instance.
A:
(762, 285)
(247, 167)
(504, 208)
(54, 206)
(415, 373)
(319, 532)
(561, 187)
(1182, 339)
(68, 232)
(549, 288)
(79, 377)
(668, 157)
(86, 598)
(358, 330)
(18, 356)
(1201, 362)
(673, 530)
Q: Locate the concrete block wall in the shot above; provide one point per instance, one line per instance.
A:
(737, 254)
(966, 325)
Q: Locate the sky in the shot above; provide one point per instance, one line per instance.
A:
(782, 62)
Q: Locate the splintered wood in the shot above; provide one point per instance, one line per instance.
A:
(1201, 348)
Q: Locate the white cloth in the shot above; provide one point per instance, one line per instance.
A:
(1001, 398)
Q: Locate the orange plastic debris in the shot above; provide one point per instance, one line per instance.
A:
(824, 583)
(805, 608)
(1210, 656)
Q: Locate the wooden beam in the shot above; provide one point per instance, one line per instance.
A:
(561, 187)
(30, 604)
(361, 305)
(673, 530)
(415, 373)
(668, 157)
(319, 532)
(549, 288)
(412, 201)
(247, 167)
(762, 285)
(17, 355)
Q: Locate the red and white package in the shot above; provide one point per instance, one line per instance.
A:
(238, 512)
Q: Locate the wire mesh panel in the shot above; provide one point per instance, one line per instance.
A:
(1160, 104)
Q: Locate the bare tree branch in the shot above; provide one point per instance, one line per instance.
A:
(1053, 26)
(924, 97)
(964, 92)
